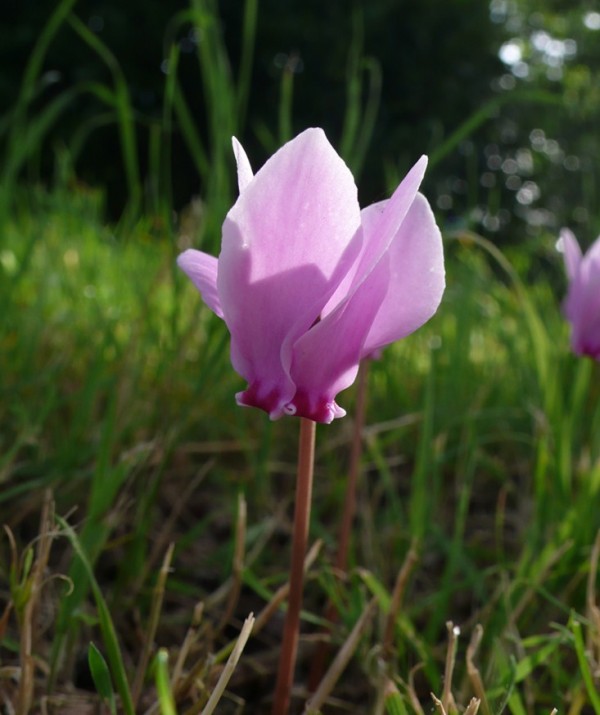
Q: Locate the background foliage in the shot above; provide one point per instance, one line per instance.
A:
(482, 443)
(519, 78)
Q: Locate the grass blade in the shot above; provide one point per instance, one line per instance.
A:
(163, 683)
(246, 58)
(394, 704)
(584, 666)
(229, 666)
(101, 677)
(109, 634)
(124, 111)
(486, 112)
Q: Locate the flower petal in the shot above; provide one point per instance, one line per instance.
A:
(582, 304)
(287, 243)
(202, 269)
(571, 252)
(326, 358)
(244, 170)
(373, 312)
(417, 277)
(382, 232)
(400, 292)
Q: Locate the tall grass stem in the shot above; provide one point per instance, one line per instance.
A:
(349, 510)
(107, 628)
(341, 562)
(227, 671)
(150, 632)
(124, 110)
(246, 59)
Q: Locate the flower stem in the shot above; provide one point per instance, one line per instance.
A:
(285, 676)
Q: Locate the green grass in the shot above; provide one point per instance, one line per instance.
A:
(481, 446)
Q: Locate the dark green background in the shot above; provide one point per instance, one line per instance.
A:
(439, 65)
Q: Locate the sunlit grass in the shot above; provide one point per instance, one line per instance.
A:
(118, 395)
(481, 447)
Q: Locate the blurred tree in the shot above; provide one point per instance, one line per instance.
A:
(524, 165)
(437, 62)
(539, 166)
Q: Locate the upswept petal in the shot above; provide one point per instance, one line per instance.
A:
(400, 292)
(577, 306)
(417, 276)
(571, 252)
(300, 209)
(382, 232)
(244, 170)
(593, 260)
(202, 269)
(582, 305)
(287, 243)
(326, 358)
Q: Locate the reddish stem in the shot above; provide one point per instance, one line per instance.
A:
(291, 630)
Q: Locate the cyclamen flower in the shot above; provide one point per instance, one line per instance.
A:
(582, 304)
(308, 284)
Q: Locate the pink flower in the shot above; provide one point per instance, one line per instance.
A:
(308, 284)
(582, 304)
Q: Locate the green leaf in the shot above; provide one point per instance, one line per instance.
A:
(376, 588)
(101, 677)
(109, 634)
(584, 666)
(515, 704)
(394, 705)
(163, 684)
(527, 664)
